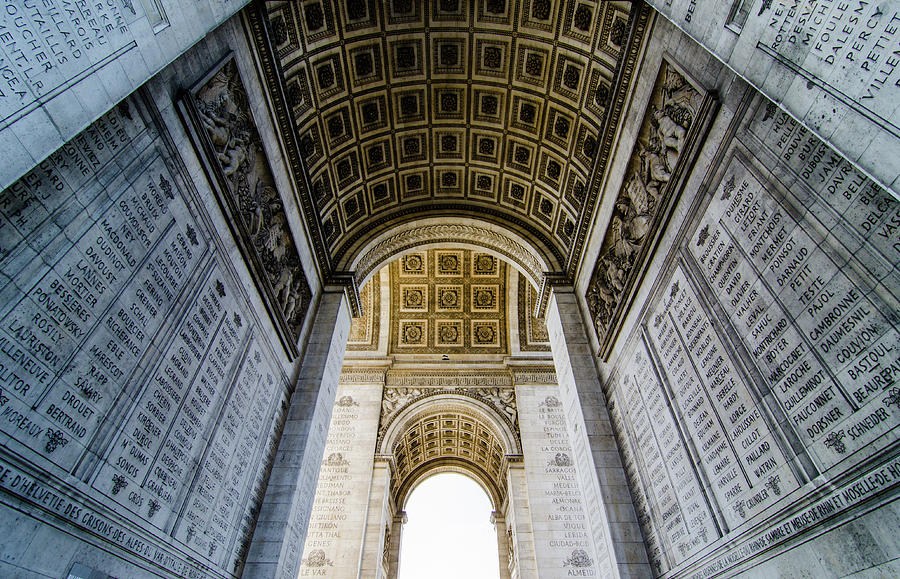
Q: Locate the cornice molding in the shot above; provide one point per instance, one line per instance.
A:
(417, 236)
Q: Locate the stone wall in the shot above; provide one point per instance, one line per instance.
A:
(64, 63)
(338, 523)
(753, 386)
(142, 385)
(563, 541)
(833, 65)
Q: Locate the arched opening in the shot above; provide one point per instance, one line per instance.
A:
(449, 533)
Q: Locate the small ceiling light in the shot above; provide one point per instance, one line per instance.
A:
(445, 357)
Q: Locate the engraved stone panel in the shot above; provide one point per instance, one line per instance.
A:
(737, 448)
(833, 65)
(64, 64)
(563, 541)
(767, 355)
(134, 374)
(822, 341)
(674, 489)
(338, 520)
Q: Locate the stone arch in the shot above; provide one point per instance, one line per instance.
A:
(533, 261)
(465, 434)
(441, 466)
(477, 397)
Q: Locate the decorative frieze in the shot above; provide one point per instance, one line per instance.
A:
(228, 141)
(447, 380)
(664, 148)
(361, 376)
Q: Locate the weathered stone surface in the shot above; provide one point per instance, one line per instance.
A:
(65, 64)
(833, 66)
(131, 368)
(151, 423)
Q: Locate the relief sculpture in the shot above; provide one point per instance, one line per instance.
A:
(672, 112)
(502, 400)
(220, 114)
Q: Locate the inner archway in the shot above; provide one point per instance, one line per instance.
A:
(444, 360)
(449, 533)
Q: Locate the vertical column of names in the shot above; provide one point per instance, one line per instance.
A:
(860, 214)
(155, 454)
(653, 541)
(562, 533)
(681, 512)
(819, 339)
(222, 482)
(44, 46)
(338, 513)
(95, 271)
(745, 465)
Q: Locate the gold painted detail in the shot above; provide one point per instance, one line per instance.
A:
(435, 379)
(450, 310)
(449, 435)
(416, 236)
(492, 107)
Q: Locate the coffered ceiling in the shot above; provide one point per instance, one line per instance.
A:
(447, 301)
(442, 438)
(404, 109)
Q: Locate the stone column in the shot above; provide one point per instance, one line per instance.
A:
(284, 515)
(617, 536)
(377, 521)
(499, 522)
(519, 515)
(396, 536)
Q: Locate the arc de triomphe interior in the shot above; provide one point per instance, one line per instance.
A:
(267, 266)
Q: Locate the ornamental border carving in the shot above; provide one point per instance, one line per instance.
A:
(366, 376)
(639, 22)
(449, 233)
(448, 381)
(386, 420)
(535, 377)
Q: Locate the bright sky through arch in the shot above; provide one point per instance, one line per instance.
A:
(449, 534)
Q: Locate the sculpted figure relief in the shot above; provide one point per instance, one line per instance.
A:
(224, 114)
(502, 399)
(670, 114)
(395, 399)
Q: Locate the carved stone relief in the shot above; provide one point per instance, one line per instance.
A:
(533, 335)
(364, 331)
(229, 143)
(648, 186)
